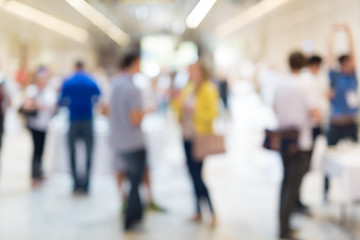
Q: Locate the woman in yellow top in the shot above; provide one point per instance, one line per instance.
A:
(197, 107)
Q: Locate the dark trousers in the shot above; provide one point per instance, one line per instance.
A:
(135, 167)
(295, 167)
(195, 169)
(1, 128)
(335, 134)
(81, 130)
(38, 138)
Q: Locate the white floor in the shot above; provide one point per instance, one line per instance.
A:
(244, 185)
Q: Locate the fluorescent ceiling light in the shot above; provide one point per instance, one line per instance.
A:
(199, 13)
(46, 20)
(253, 13)
(99, 20)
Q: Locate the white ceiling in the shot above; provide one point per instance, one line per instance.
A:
(136, 17)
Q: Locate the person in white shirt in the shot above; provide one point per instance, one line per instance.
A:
(41, 100)
(295, 107)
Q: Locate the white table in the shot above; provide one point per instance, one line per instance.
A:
(345, 166)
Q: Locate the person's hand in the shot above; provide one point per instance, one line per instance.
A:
(331, 94)
(316, 115)
(188, 108)
(337, 26)
(150, 109)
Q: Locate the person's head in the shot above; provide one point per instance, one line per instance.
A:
(347, 64)
(79, 66)
(130, 62)
(42, 76)
(297, 61)
(314, 64)
(199, 72)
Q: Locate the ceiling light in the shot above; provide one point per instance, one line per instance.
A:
(99, 20)
(199, 13)
(46, 20)
(253, 13)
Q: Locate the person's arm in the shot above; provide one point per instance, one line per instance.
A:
(331, 54)
(136, 117)
(350, 39)
(136, 113)
(209, 102)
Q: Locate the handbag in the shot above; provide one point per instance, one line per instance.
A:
(27, 113)
(285, 141)
(208, 144)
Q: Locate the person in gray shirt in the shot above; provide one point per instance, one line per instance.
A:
(126, 114)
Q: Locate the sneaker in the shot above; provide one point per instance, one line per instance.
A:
(155, 207)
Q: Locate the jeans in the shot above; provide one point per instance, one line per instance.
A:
(81, 130)
(295, 167)
(335, 134)
(195, 169)
(38, 138)
(135, 167)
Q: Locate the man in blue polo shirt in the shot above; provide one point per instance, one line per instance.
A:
(344, 94)
(79, 94)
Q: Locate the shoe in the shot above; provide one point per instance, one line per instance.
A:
(196, 219)
(123, 208)
(292, 235)
(213, 222)
(302, 209)
(155, 207)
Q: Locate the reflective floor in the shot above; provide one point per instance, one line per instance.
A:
(244, 185)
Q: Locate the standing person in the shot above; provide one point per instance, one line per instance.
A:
(40, 99)
(319, 98)
(5, 102)
(79, 94)
(126, 115)
(314, 65)
(344, 94)
(293, 108)
(197, 107)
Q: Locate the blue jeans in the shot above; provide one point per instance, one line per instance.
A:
(135, 167)
(195, 169)
(81, 130)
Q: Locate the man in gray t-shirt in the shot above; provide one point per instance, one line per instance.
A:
(126, 114)
(126, 101)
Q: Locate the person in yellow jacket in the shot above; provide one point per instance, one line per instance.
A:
(196, 108)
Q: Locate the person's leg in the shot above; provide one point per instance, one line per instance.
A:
(72, 136)
(135, 164)
(89, 143)
(202, 189)
(334, 136)
(192, 172)
(152, 205)
(352, 132)
(285, 195)
(42, 140)
(300, 207)
(35, 159)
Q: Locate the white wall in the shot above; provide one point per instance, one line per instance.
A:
(285, 29)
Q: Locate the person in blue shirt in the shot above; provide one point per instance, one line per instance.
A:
(79, 94)
(344, 94)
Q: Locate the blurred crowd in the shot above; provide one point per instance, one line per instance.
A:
(308, 101)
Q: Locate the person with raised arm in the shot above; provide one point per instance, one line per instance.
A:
(343, 94)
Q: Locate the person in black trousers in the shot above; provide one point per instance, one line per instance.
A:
(40, 101)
